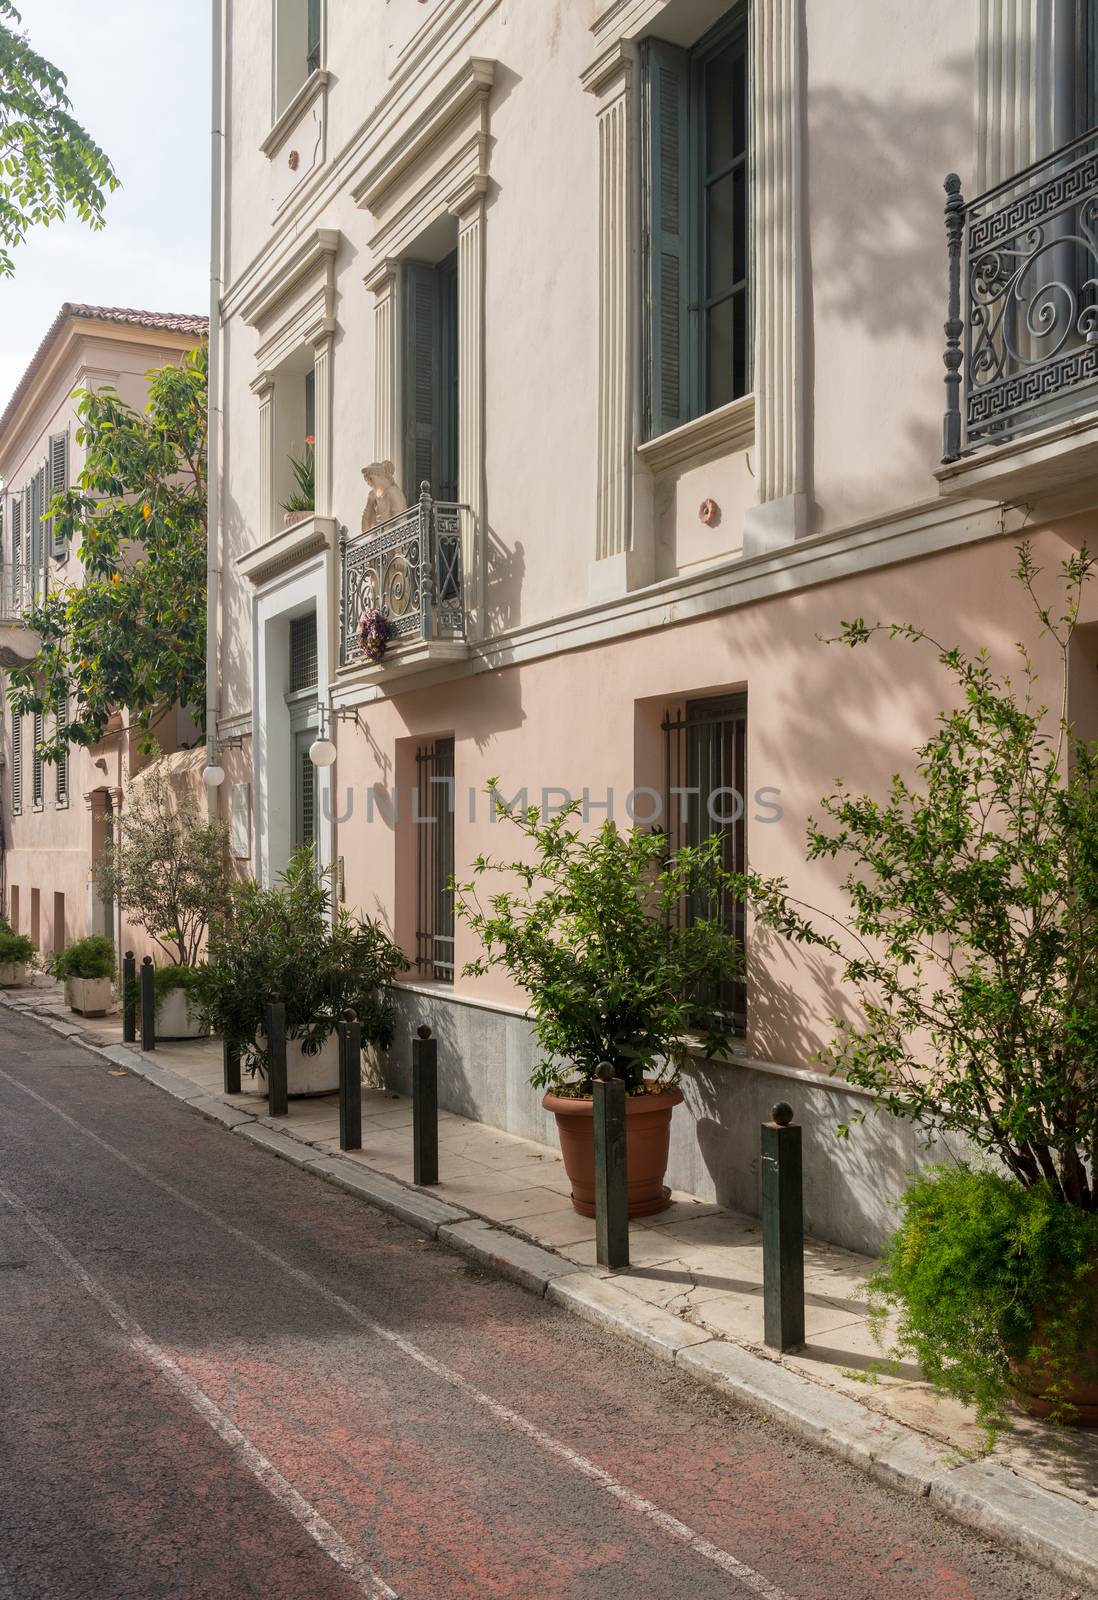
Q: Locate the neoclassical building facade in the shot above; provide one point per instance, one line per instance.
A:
(643, 310)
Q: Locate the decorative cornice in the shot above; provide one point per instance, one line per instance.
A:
(472, 83)
(289, 547)
(611, 69)
(262, 385)
(468, 194)
(315, 253)
(313, 86)
(722, 432)
(382, 275)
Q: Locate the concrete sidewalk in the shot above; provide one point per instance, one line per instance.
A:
(693, 1293)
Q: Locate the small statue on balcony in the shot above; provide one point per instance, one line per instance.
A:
(386, 498)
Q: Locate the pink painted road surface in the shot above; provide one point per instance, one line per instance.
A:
(221, 1378)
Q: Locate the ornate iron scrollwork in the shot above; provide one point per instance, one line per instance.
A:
(410, 569)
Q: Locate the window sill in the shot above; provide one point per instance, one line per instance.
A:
(314, 85)
(722, 432)
(287, 548)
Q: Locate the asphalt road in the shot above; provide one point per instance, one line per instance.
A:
(222, 1378)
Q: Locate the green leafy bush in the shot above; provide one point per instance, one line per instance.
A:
(92, 957)
(15, 948)
(296, 941)
(987, 1276)
(594, 935)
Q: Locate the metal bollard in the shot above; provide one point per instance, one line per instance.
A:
(350, 1082)
(277, 1097)
(148, 1005)
(424, 1106)
(129, 998)
(611, 1183)
(230, 1065)
(783, 1231)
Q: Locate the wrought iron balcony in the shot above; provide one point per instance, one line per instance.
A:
(1022, 330)
(14, 593)
(411, 570)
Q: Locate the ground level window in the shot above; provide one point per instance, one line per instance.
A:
(706, 794)
(434, 825)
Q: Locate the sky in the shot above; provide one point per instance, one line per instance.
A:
(139, 80)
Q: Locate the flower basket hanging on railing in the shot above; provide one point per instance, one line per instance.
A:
(373, 634)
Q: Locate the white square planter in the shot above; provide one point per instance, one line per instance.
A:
(13, 974)
(316, 1074)
(177, 1017)
(89, 997)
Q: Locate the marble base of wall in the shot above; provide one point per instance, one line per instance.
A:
(851, 1185)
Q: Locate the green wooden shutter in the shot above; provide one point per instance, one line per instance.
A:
(15, 571)
(28, 543)
(16, 764)
(38, 507)
(668, 211)
(421, 378)
(58, 481)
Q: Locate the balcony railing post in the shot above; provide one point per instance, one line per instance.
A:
(954, 327)
(344, 619)
(426, 560)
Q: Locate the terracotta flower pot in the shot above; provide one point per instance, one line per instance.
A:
(1077, 1387)
(647, 1137)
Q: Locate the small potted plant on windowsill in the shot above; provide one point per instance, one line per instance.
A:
(301, 503)
(296, 941)
(16, 954)
(594, 934)
(87, 969)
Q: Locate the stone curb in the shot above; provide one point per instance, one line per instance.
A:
(1048, 1529)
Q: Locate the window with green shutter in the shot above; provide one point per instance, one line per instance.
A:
(58, 482)
(16, 765)
(38, 790)
(62, 766)
(696, 121)
(15, 573)
(312, 44)
(431, 378)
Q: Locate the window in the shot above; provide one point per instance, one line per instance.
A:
(431, 378)
(305, 787)
(16, 574)
(434, 824)
(34, 510)
(312, 39)
(696, 174)
(58, 475)
(16, 765)
(706, 781)
(303, 654)
(298, 47)
(62, 767)
(37, 768)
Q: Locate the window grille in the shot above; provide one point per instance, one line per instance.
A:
(37, 769)
(706, 794)
(303, 655)
(307, 778)
(16, 765)
(63, 759)
(434, 824)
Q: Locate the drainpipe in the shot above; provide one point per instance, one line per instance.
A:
(213, 442)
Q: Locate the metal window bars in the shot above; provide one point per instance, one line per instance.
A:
(705, 756)
(411, 570)
(433, 820)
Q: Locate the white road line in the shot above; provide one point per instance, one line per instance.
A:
(321, 1531)
(652, 1513)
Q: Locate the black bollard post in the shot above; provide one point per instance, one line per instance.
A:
(230, 1065)
(350, 1082)
(148, 1005)
(783, 1232)
(277, 1097)
(611, 1183)
(424, 1106)
(129, 998)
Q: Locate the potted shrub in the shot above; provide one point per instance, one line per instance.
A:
(594, 933)
(970, 942)
(295, 940)
(16, 954)
(87, 969)
(168, 870)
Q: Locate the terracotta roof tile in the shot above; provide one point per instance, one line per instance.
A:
(166, 321)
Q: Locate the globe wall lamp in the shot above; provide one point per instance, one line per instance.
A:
(322, 751)
(213, 774)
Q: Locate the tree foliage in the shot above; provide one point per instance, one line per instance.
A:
(168, 867)
(131, 631)
(593, 933)
(48, 163)
(971, 930)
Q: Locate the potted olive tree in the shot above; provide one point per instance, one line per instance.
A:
(87, 968)
(16, 954)
(296, 941)
(971, 941)
(592, 927)
(168, 870)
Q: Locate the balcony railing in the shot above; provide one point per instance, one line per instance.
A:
(411, 570)
(14, 593)
(1022, 330)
